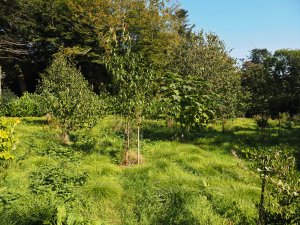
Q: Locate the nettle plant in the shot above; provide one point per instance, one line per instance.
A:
(280, 185)
(68, 96)
(7, 139)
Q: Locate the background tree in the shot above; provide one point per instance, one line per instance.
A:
(273, 81)
(83, 28)
(286, 75)
(204, 57)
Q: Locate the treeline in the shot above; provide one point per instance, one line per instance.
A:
(146, 57)
(273, 82)
(33, 30)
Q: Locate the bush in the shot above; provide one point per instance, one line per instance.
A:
(262, 121)
(6, 99)
(7, 139)
(296, 119)
(285, 120)
(27, 105)
(68, 96)
(280, 185)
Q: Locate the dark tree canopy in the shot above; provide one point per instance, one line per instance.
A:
(273, 81)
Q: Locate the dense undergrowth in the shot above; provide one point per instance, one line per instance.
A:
(203, 180)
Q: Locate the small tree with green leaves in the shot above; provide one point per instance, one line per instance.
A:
(280, 183)
(69, 97)
(132, 81)
(186, 100)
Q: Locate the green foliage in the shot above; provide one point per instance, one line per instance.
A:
(64, 218)
(273, 81)
(132, 82)
(262, 121)
(68, 96)
(296, 119)
(276, 166)
(102, 143)
(57, 179)
(6, 100)
(27, 105)
(36, 29)
(179, 183)
(7, 138)
(30, 209)
(186, 101)
(285, 120)
(204, 57)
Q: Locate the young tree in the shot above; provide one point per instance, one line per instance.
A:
(186, 101)
(132, 80)
(280, 184)
(69, 97)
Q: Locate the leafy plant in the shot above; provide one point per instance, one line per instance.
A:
(65, 218)
(58, 180)
(6, 98)
(262, 121)
(279, 179)
(7, 139)
(132, 82)
(186, 102)
(27, 105)
(68, 96)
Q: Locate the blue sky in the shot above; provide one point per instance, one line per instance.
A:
(247, 24)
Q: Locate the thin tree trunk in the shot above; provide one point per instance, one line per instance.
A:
(138, 144)
(127, 132)
(261, 214)
(223, 125)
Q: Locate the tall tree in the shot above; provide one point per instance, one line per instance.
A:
(286, 75)
(82, 28)
(273, 81)
(204, 56)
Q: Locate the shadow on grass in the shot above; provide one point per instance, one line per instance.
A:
(36, 121)
(238, 138)
(251, 138)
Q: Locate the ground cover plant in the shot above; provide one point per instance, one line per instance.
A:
(203, 181)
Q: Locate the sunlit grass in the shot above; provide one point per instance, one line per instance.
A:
(203, 181)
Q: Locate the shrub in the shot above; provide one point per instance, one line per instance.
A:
(27, 105)
(262, 121)
(6, 99)
(68, 96)
(285, 120)
(296, 119)
(7, 139)
(280, 185)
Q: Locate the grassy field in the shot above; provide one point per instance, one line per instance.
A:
(204, 180)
